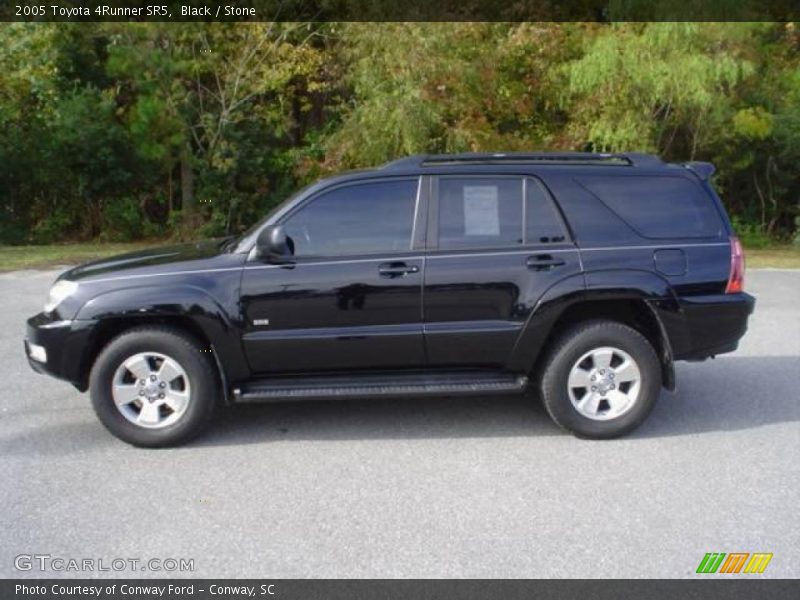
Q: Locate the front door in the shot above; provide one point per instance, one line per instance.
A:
(496, 244)
(353, 298)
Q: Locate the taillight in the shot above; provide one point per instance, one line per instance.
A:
(736, 278)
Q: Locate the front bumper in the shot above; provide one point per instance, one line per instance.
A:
(57, 347)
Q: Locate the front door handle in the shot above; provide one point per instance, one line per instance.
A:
(543, 262)
(396, 269)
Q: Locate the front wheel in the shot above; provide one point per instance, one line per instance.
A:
(600, 380)
(153, 386)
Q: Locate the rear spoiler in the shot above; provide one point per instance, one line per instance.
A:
(704, 170)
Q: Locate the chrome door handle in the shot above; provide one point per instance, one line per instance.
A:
(396, 269)
(543, 262)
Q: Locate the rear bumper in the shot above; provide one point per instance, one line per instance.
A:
(56, 348)
(710, 325)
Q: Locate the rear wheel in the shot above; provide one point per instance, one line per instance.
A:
(600, 380)
(153, 386)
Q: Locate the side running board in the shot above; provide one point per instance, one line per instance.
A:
(365, 386)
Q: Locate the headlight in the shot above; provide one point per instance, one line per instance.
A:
(59, 292)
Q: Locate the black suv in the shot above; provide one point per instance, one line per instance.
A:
(578, 276)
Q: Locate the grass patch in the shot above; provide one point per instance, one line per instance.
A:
(13, 258)
(776, 257)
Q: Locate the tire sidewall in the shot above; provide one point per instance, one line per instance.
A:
(202, 381)
(581, 341)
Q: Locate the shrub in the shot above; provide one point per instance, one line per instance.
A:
(751, 234)
(124, 221)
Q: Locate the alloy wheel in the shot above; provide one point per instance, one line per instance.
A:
(604, 383)
(151, 390)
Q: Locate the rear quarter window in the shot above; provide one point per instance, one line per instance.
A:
(658, 207)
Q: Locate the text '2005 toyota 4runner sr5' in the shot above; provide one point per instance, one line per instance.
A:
(579, 276)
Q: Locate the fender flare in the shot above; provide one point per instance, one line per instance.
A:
(178, 301)
(619, 284)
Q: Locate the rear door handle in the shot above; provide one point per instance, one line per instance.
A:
(543, 262)
(396, 269)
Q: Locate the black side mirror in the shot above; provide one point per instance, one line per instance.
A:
(274, 245)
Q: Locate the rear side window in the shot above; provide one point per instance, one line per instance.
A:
(480, 212)
(543, 223)
(496, 212)
(658, 207)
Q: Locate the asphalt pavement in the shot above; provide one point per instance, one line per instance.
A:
(478, 487)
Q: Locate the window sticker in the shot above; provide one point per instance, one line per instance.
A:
(481, 210)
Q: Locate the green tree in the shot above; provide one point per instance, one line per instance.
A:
(120, 130)
(657, 87)
(194, 86)
(447, 87)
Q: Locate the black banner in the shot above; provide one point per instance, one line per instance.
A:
(395, 10)
(388, 589)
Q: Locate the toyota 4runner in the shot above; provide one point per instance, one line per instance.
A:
(581, 277)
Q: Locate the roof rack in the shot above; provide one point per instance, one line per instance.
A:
(542, 158)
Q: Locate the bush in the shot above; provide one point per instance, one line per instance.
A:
(750, 234)
(52, 229)
(124, 221)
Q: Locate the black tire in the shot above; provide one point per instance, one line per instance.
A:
(200, 370)
(571, 345)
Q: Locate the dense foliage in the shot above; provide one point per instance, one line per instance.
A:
(126, 131)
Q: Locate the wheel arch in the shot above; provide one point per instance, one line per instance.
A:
(187, 309)
(643, 306)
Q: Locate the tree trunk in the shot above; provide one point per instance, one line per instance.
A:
(190, 217)
(169, 191)
(187, 183)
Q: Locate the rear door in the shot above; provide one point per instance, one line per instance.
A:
(353, 298)
(496, 243)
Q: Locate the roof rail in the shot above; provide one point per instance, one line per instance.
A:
(560, 158)
(412, 162)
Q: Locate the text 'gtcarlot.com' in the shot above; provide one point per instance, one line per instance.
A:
(48, 562)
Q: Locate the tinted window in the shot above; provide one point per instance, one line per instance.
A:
(362, 218)
(658, 207)
(480, 212)
(543, 224)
